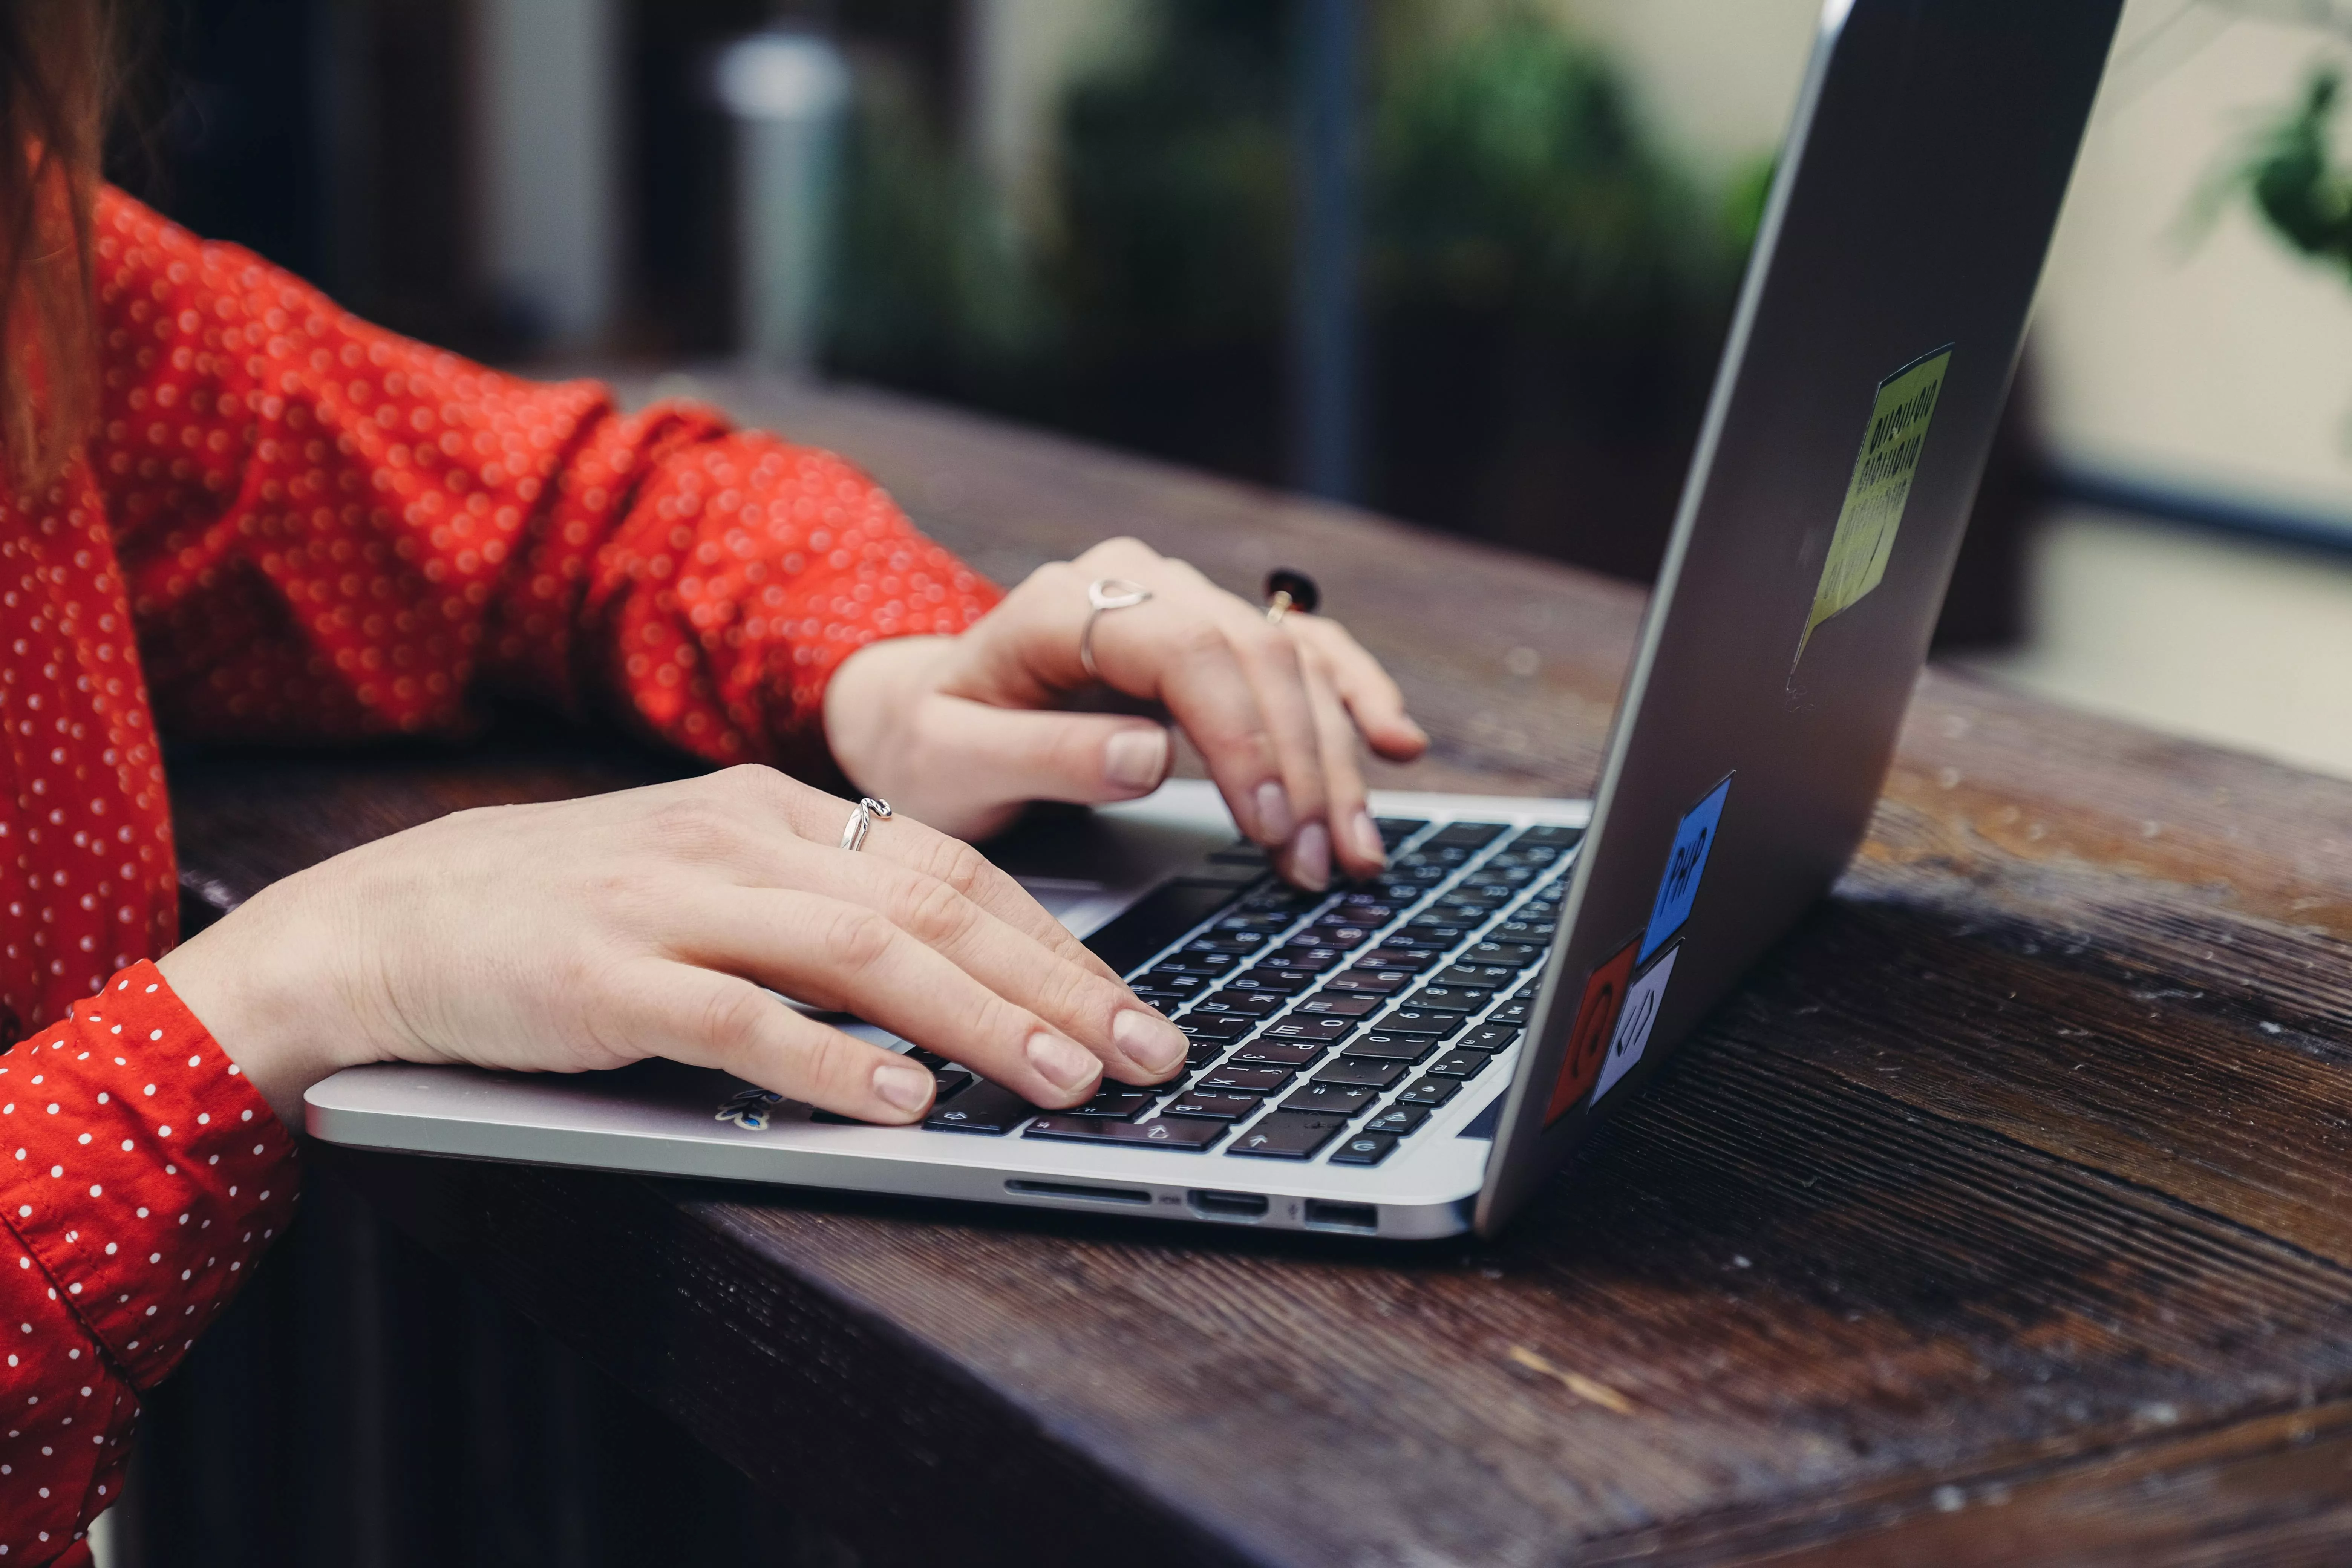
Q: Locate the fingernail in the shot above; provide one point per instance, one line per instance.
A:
(903, 1084)
(1368, 839)
(1148, 1040)
(1274, 823)
(1310, 856)
(1135, 758)
(1066, 1065)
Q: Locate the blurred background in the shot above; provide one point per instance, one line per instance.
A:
(1468, 262)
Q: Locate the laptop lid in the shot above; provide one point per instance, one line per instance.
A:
(1871, 354)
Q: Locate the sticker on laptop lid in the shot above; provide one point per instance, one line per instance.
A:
(1588, 1041)
(1685, 867)
(1880, 488)
(1635, 1021)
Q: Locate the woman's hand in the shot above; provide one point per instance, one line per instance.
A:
(961, 730)
(591, 933)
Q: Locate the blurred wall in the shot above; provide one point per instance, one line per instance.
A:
(2214, 361)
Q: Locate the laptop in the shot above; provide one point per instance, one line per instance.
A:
(1413, 1056)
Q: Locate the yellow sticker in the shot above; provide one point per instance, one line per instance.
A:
(1880, 489)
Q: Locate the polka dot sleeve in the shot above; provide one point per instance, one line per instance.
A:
(140, 1178)
(331, 530)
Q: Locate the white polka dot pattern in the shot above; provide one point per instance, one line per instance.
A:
(129, 1220)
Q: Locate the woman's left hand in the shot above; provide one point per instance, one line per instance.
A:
(961, 733)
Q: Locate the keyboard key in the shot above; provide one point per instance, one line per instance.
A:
(1396, 830)
(1389, 957)
(1191, 963)
(1305, 955)
(1484, 976)
(1340, 1006)
(1469, 835)
(1216, 1107)
(1364, 1149)
(1560, 838)
(1526, 928)
(1173, 981)
(951, 1080)
(1243, 1080)
(1319, 1030)
(1227, 1028)
(1117, 1101)
(1402, 892)
(1489, 891)
(1488, 1037)
(1369, 982)
(1191, 1133)
(1397, 1119)
(1334, 1098)
(1449, 998)
(1460, 1064)
(1364, 907)
(1380, 1046)
(1228, 947)
(1513, 1014)
(1443, 937)
(1238, 1004)
(1280, 1053)
(1272, 982)
(1420, 1021)
(989, 1108)
(1430, 1091)
(1288, 1135)
(1503, 955)
(1357, 1073)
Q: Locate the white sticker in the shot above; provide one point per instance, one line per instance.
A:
(1633, 1021)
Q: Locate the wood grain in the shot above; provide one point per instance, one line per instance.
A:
(2002, 1217)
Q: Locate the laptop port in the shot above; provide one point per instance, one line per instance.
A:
(1361, 1218)
(1078, 1190)
(1228, 1205)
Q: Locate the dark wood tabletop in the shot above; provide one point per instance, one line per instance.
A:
(2004, 1214)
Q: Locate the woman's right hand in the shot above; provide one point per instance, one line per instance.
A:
(591, 933)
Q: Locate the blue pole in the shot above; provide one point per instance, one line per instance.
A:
(1325, 324)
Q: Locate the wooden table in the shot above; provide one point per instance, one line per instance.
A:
(2004, 1216)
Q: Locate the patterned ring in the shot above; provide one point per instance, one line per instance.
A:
(861, 819)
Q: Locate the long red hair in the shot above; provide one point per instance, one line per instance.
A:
(56, 80)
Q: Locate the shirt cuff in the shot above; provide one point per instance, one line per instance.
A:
(139, 1168)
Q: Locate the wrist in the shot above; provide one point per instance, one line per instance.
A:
(247, 980)
(867, 701)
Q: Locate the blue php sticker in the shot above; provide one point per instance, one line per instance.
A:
(1678, 889)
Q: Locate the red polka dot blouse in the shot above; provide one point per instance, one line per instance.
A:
(293, 525)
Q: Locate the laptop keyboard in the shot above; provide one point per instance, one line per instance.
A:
(1323, 1025)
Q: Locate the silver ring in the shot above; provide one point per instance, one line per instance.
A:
(1106, 594)
(853, 832)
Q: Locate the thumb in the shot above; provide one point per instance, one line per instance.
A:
(1006, 756)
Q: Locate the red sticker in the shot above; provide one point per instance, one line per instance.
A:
(1596, 1018)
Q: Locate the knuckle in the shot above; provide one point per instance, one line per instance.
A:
(854, 941)
(732, 1020)
(1201, 641)
(934, 912)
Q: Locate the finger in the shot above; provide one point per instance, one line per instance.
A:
(1355, 837)
(705, 1018)
(838, 954)
(1184, 659)
(771, 800)
(1010, 755)
(1085, 1001)
(1278, 676)
(1371, 695)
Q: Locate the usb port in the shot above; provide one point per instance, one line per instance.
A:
(1361, 1218)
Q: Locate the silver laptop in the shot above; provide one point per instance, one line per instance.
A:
(1411, 1057)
